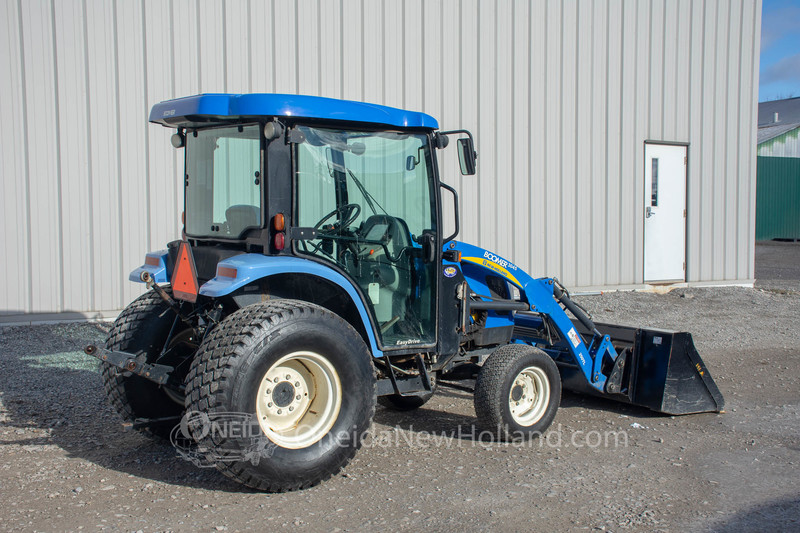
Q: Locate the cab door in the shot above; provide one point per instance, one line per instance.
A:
(369, 197)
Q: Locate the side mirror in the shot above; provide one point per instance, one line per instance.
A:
(412, 162)
(467, 156)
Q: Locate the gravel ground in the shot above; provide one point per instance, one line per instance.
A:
(67, 464)
(778, 265)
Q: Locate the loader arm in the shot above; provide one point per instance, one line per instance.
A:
(544, 297)
(653, 368)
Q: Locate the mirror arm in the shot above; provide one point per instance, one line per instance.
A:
(465, 132)
(472, 156)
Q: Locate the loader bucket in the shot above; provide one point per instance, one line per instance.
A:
(663, 372)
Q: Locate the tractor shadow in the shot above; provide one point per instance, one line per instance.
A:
(51, 394)
(570, 400)
(450, 413)
(434, 418)
(779, 515)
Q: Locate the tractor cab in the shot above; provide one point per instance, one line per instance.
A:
(351, 186)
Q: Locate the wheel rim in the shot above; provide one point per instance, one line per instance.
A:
(529, 396)
(299, 399)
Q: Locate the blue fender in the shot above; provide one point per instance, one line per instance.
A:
(252, 267)
(155, 263)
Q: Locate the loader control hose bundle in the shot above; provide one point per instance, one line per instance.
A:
(561, 294)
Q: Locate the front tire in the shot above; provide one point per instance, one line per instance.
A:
(518, 392)
(304, 380)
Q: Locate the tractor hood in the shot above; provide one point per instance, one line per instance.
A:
(207, 109)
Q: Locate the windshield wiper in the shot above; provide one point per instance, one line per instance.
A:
(367, 196)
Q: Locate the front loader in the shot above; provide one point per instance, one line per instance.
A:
(313, 280)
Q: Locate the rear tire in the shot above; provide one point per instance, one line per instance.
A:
(304, 381)
(142, 329)
(517, 392)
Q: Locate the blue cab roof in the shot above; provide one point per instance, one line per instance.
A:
(211, 108)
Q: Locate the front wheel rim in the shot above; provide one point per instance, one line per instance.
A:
(529, 396)
(299, 399)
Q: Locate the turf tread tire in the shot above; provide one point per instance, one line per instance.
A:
(493, 385)
(225, 353)
(138, 329)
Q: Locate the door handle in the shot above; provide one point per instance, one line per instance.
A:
(428, 242)
(648, 212)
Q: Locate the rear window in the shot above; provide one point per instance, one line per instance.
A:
(223, 190)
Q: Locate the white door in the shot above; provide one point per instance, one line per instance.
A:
(664, 212)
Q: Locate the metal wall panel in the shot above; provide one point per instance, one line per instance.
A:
(786, 145)
(14, 186)
(43, 203)
(560, 96)
(778, 198)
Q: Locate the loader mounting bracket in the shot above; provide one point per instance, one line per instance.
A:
(614, 381)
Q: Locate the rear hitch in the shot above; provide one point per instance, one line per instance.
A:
(127, 362)
(140, 423)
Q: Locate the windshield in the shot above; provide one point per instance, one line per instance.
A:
(380, 172)
(223, 181)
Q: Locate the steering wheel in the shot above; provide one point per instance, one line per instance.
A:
(348, 214)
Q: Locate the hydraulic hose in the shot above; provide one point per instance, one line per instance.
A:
(563, 297)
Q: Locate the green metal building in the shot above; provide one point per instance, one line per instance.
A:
(778, 171)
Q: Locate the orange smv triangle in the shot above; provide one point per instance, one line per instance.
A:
(184, 278)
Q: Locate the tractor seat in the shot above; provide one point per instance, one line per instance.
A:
(242, 216)
(380, 227)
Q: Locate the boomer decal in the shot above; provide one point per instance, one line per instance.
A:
(495, 263)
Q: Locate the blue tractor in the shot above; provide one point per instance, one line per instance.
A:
(313, 280)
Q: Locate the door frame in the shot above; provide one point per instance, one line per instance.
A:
(686, 145)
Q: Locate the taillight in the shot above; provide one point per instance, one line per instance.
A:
(279, 224)
(279, 241)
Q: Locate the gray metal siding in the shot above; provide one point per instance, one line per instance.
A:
(560, 95)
